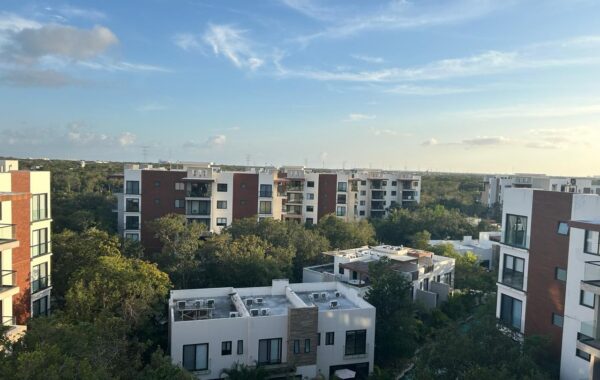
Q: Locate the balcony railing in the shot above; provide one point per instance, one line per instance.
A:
(295, 199)
(591, 276)
(513, 279)
(40, 249)
(357, 355)
(265, 194)
(587, 336)
(7, 233)
(40, 284)
(8, 278)
(295, 187)
(8, 320)
(198, 193)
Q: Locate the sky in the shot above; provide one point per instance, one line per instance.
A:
(480, 86)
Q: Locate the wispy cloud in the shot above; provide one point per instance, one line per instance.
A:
(485, 140)
(368, 58)
(36, 78)
(407, 89)
(186, 41)
(109, 66)
(353, 117)
(231, 42)
(215, 141)
(76, 135)
(430, 142)
(534, 111)
(150, 107)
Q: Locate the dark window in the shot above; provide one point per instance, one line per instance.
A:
(40, 279)
(394, 183)
(269, 351)
(361, 213)
(40, 307)
(310, 183)
(132, 187)
(221, 222)
(309, 221)
(563, 228)
(340, 211)
(39, 242)
(363, 183)
(39, 206)
(591, 242)
(195, 357)
(226, 348)
(356, 342)
(179, 186)
(156, 201)
(240, 347)
(306, 346)
(342, 187)
(222, 205)
(340, 269)
(199, 190)
(318, 339)
(330, 338)
(516, 230)
(132, 222)
(587, 299)
(560, 274)
(510, 311)
(179, 203)
(310, 208)
(296, 346)
(393, 193)
(197, 208)
(221, 187)
(264, 207)
(266, 191)
(582, 354)
(156, 183)
(132, 205)
(512, 273)
(341, 199)
(557, 320)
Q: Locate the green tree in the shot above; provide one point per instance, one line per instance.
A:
(468, 274)
(420, 240)
(344, 235)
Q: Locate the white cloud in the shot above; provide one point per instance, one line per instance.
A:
(126, 138)
(106, 65)
(231, 43)
(215, 141)
(485, 140)
(430, 142)
(75, 134)
(85, 13)
(36, 78)
(384, 132)
(186, 41)
(367, 58)
(359, 117)
(405, 89)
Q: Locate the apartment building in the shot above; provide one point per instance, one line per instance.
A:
(432, 276)
(206, 194)
(486, 247)
(25, 251)
(494, 186)
(292, 330)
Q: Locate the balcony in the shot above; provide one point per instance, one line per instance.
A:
(295, 186)
(13, 331)
(295, 199)
(8, 237)
(8, 283)
(591, 277)
(378, 205)
(40, 284)
(587, 338)
(377, 194)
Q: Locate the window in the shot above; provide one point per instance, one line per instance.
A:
(266, 191)
(39, 242)
(448, 278)
(306, 346)
(310, 208)
(199, 190)
(309, 221)
(394, 183)
(363, 203)
(512, 272)
(587, 299)
(296, 346)
(132, 222)
(39, 207)
(156, 183)
(363, 183)
(510, 311)
(240, 347)
(197, 208)
(318, 339)
(310, 196)
(156, 201)
(132, 205)
(310, 183)
(226, 348)
(393, 193)
(557, 320)
(179, 203)
(330, 338)
(222, 205)
(221, 187)
(582, 354)
(341, 199)
(40, 307)
(563, 228)
(342, 187)
(269, 351)
(591, 242)
(195, 357)
(363, 192)
(179, 186)
(560, 274)
(132, 236)
(516, 230)
(221, 222)
(39, 277)
(132, 187)
(340, 211)
(361, 213)
(356, 342)
(264, 207)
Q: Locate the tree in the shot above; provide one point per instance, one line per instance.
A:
(468, 274)
(396, 334)
(131, 289)
(420, 240)
(344, 235)
(244, 372)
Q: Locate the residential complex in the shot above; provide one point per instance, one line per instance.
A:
(495, 185)
(206, 194)
(299, 330)
(25, 252)
(486, 247)
(432, 276)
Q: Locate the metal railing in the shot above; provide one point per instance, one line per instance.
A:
(8, 320)
(266, 194)
(512, 278)
(7, 232)
(8, 278)
(357, 355)
(40, 284)
(40, 249)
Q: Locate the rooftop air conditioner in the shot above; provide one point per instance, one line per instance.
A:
(233, 314)
(310, 297)
(315, 296)
(249, 302)
(323, 295)
(258, 300)
(181, 305)
(210, 303)
(337, 294)
(265, 311)
(254, 312)
(198, 303)
(333, 304)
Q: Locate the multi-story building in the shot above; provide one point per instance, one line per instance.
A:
(494, 186)
(292, 330)
(206, 194)
(432, 276)
(486, 248)
(25, 250)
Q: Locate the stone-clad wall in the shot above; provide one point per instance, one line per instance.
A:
(303, 324)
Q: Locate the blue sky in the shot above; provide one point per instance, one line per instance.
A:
(454, 85)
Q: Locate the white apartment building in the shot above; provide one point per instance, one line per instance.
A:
(25, 250)
(494, 186)
(432, 276)
(299, 330)
(485, 247)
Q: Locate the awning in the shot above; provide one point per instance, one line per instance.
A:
(345, 374)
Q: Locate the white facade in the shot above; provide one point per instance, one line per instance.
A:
(205, 320)
(482, 247)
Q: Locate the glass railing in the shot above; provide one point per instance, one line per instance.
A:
(7, 232)
(512, 279)
(39, 214)
(591, 272)
(266, 194)
(7, 278)
(588, 328)
(8, 320)
(40, 284)
(40, 249)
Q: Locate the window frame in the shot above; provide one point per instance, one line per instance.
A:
(221, 222)
(263, 210)
(307, 345)
(194, 357)
(240, 347)
(37, 201)
(37, 311)
(581, 299)
(597, 243)
(358, 337)
(511, 323)
(221, 203)
(558, 270)
(296, 346)
(269, 343)
(558, 227)
(558, 320)
(132, 190)
(127, 225)
(226, 348)
(310, 183)
(267, 192)
(330, 338)
(525, 231)
(136, 201)
(222, 187)
(515, 259)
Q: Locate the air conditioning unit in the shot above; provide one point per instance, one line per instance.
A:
(315, 296)
(198, 304)
(265, 311)
(333, 304)
(254, 312)
(258, 300)
(249, 301)
(210, 303)
(323, 295)
(337, 294)
(310, 297)
(233, 314)
(181, 305)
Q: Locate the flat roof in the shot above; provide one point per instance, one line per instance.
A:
(324, 303)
